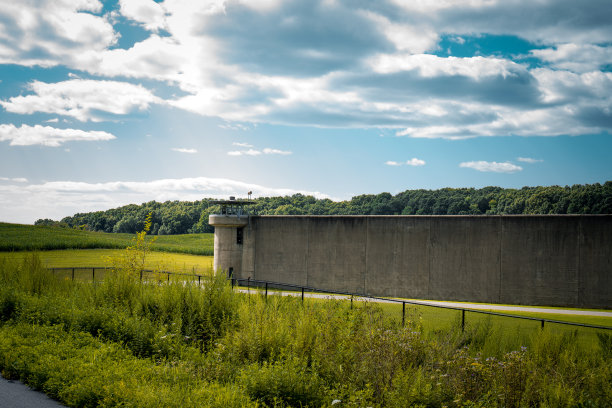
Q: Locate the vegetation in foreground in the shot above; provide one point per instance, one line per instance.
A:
(16, 237)
(122, 343)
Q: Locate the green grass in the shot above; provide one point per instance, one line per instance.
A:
(435, 320)
(509, 332)
(17, 237)
(123, 343)
(174, 262)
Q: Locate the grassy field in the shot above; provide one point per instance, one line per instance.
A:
(512, 331)
(166, 261)
(17, 237)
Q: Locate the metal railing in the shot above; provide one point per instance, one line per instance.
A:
(268, 284)
(265, 285)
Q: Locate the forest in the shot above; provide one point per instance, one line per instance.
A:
(182, 217)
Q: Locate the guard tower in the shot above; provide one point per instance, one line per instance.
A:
(229, 234)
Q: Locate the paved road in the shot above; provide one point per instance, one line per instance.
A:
(14, 394)
(477, 306)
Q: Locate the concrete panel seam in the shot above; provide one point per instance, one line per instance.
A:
(429, 255)
(365, 274)
(308, 224)
(501, 254)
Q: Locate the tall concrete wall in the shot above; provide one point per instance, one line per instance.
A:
(536, 260)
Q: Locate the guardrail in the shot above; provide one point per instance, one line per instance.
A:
(265, 285)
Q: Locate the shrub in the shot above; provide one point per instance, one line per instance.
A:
(283, 383)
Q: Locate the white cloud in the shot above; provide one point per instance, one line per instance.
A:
(529, 160)
(15, 179)
(160, 58)
(412, 162)
(415, 162)
(268, 150)
(26, 135)
(250, 152)
(52, 32)
(54, 120)
(485, 166)
(255, 152)
(234, 126)
(430, 66)
(574, 90)
(410, 37)
(576, 57)
(183, 150)
(82, 99)
(57, 199)
(147, 12)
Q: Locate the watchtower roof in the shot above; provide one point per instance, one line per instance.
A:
(233, 206)
(232, 202)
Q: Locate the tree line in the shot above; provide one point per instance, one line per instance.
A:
(182, 217)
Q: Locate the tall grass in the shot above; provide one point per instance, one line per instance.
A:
(16, 237)
(191, 344)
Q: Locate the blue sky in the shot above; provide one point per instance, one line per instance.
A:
(108, 103)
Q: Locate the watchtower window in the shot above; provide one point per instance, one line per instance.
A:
(239, 235)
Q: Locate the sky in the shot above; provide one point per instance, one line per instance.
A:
(108, 103)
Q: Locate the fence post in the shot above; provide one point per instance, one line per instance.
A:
(403, 314)
(168, 276)
(266, 291)
(72, 273)
(351, 301)
(462, 320)
(93, 274)
(302, 295)
(141, 275)
(542, 327)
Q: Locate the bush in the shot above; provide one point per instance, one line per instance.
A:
(283, 383)
(81, 371)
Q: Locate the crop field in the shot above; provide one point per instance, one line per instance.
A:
(17, 237)
(166, 261)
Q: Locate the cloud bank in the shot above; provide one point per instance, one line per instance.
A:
(291, 63)
(57, 199)
(26, 135)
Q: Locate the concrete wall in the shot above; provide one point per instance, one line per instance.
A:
(536, 260)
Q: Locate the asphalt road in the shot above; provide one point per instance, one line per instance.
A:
(14, 394)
